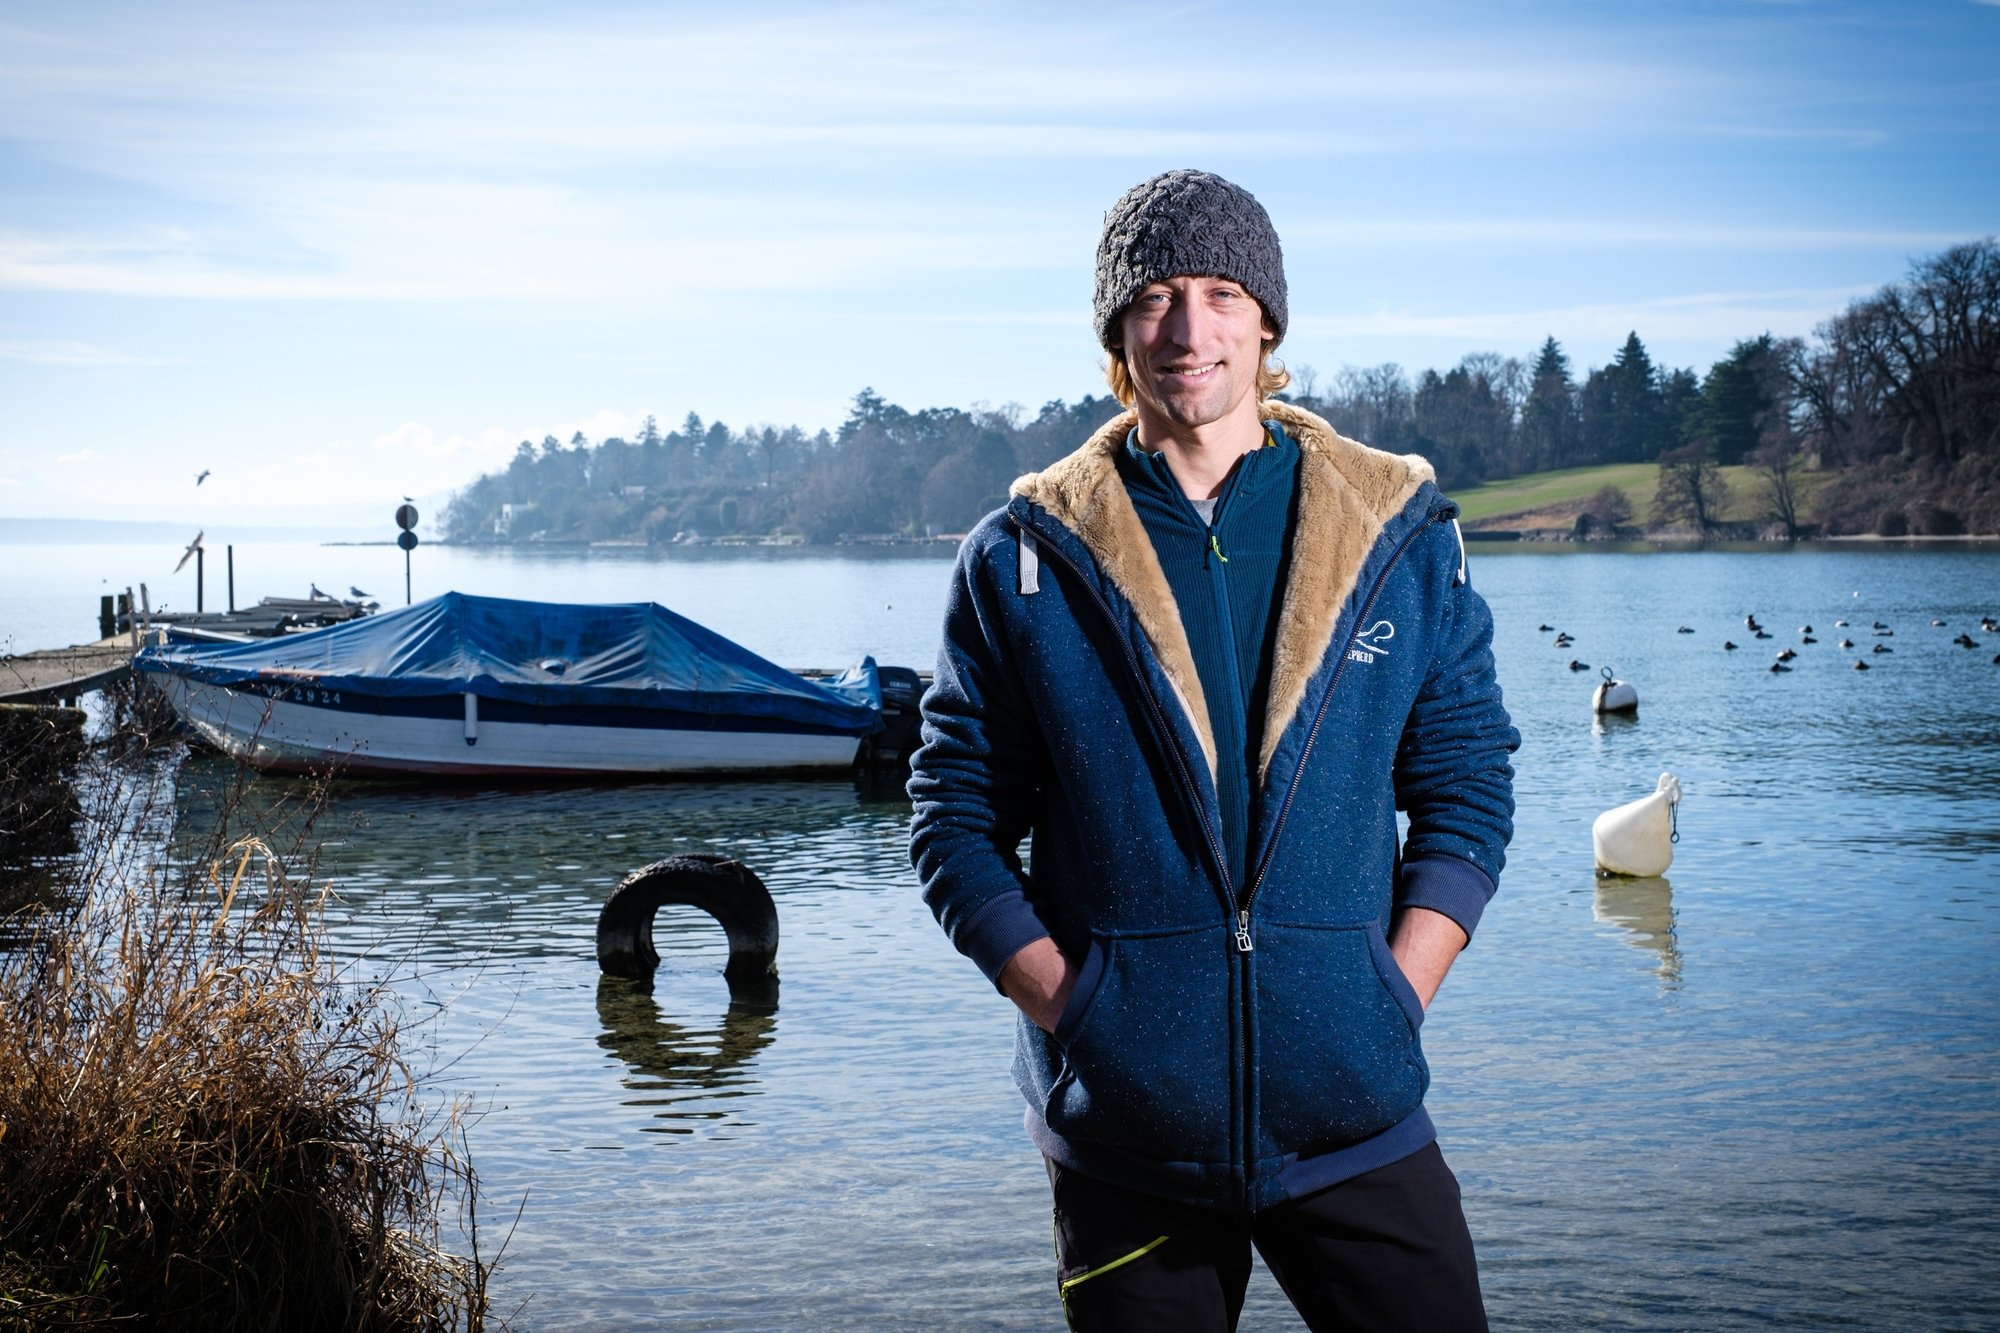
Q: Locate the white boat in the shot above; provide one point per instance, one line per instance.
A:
(489, 687)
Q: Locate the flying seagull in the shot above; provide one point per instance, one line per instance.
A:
(188, 554)
(201, 476)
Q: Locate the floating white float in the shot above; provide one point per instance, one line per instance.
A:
(1638, 838)
(1614, 696)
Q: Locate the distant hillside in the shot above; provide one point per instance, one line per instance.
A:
(1549, 501)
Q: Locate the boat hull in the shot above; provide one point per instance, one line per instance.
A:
(297, 729)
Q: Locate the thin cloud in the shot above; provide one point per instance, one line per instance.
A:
(455, 240)
(1694, 316)
(80, 456)
(1692, 234)
(515, 93)
(75, 354)
(548, 160)
(1849, 138)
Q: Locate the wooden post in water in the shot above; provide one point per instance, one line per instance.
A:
(230, 552)
(200, 554)
(107, 619)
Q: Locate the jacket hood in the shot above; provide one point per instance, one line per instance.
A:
(1347, 493)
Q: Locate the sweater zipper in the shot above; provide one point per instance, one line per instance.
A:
(1312, 734)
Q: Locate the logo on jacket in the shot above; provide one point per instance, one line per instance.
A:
(1373, 640)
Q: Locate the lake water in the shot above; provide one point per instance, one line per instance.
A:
(1762, 1092)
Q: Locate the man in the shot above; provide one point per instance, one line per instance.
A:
(1203, 661)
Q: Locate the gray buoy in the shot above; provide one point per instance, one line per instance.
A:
(727, 890)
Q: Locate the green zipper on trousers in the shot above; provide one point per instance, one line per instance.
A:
(1067, 1285)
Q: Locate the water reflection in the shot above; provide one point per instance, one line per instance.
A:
(1611, 724)
(1644, 909)
(680, 1066)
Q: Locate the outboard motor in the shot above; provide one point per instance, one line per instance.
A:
(902, 690)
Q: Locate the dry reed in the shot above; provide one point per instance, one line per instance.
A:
(205, 1121)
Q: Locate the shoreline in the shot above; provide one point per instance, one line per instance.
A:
(1504, 538)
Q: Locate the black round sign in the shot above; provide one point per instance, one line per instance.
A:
(406, 518)
(407, 540)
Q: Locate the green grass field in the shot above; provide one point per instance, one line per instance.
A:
(1568, 488)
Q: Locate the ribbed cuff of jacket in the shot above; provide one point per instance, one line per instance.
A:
(998, 931)
(1446, 884)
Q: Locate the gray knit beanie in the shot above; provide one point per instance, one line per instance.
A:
(1183, 222)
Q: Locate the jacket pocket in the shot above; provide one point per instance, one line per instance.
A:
(1146, 1048)
(1393, 976)
(1337, 1053)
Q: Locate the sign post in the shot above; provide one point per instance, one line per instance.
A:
(406, 519)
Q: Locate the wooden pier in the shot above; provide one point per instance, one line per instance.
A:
(62, 675)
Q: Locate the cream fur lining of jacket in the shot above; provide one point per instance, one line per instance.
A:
(1347, 492)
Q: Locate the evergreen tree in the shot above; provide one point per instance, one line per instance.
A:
(1737, 398)
(1639, 428)
(1465, 419)
(1548, 434)
(1596, 409)
(1680, 405)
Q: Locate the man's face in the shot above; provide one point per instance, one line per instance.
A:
(1192, 347)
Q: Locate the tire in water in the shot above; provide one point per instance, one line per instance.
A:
(726, 889)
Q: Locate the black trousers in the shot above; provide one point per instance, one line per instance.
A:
(1385, 1250)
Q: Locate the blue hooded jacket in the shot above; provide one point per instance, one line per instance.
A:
(1233, 1044)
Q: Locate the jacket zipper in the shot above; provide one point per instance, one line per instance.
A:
(1243, 943)
(1239, 1034)
(1157, 714)
(1312, 734)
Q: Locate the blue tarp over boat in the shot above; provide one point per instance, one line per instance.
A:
(543, 654)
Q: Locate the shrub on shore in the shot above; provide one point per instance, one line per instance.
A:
(205, 1121)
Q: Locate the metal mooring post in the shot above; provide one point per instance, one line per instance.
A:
(406, 519)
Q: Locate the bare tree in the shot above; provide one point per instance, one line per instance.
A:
(1778, 470)
(1609, 508)
(1691, 490)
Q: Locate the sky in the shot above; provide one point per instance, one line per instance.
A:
(338, 254)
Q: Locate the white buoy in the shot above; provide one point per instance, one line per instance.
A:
(1614, 696)
(1638, 838)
